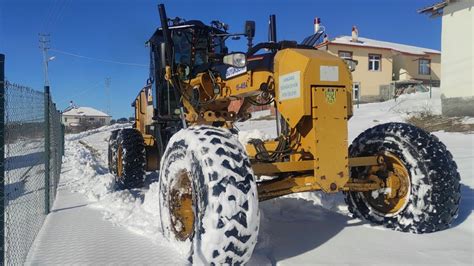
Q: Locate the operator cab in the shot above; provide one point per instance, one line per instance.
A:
(195, 47)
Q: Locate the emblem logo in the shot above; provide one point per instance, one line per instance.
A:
(330, 96)
(242, 85)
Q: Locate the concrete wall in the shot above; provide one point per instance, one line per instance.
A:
(457, 106)
(369, 80)
(67, 119)
(405, 66)
(457, 45)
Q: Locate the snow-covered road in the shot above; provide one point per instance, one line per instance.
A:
(75, 232)
(91, 224)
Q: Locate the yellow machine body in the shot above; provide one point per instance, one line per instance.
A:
(143, 106)
(312, 91)
(313, 94)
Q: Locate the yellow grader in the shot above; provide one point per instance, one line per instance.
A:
(394, 174)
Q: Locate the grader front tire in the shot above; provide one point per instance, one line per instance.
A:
(433, 195)
(208, 196)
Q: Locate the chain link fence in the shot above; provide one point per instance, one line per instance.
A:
(32, 135)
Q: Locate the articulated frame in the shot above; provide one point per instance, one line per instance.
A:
(295, 182)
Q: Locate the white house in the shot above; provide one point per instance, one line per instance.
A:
(457, 55)
(75, 117)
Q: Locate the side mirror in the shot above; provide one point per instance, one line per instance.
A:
(235, 60)
(351, 64)
(250, 28)
(162, 55)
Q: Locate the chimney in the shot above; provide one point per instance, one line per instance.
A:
(317, 21)
(72, 105)
(355, 34)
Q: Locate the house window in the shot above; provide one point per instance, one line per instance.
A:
(102, 120)
(345, 54)
(375, 63)
(424, 66)
(65, 119)
(91, 119)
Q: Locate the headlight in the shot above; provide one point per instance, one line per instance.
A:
(351, 64)
(235, 60)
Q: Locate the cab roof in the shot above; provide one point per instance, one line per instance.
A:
(158, 35)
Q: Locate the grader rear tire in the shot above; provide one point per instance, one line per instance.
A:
(112, 152)
(130, 159)
(433, 197)
(208, 196)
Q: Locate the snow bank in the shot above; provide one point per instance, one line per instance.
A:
(136, 210)
(86, 176)
(81, 135)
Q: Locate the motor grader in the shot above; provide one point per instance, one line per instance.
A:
(394, 174)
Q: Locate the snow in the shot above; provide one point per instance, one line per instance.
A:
(375, 194)
(81, 135)
(264, 129)
(24, 195)
(83, 226)
(403, 48)
(84, 111)
(92, 224)
(76, 233)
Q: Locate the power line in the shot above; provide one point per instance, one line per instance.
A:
(55, 13)
(60, 14)
(98, 59)
(90, 87)
(49, 16)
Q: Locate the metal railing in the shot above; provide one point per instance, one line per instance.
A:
(30, 165)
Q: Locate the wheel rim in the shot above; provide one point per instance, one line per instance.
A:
(181, 206)
(119, 161)
(397, 179)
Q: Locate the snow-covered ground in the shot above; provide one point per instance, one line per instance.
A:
(92, 224)
(24, 195)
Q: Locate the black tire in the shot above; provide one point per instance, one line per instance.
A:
(131, 146)
(112, 152)
(225, 200)
(434, 197)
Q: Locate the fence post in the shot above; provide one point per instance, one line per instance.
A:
(47, 149)
(63, 130)
(2, 158)
(55, 147)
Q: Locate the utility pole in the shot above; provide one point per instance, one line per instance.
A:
(107, 93)
(44, 46)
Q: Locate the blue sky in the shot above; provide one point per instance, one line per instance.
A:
(117, 30)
